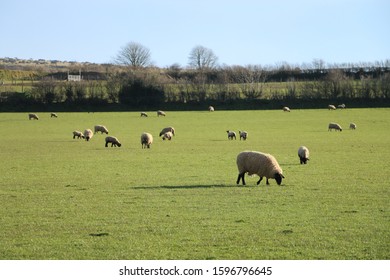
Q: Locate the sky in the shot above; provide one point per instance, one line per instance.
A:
(242, 32)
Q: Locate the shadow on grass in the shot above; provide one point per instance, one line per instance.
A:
(185, 187)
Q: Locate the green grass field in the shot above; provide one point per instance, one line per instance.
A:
(63, 198)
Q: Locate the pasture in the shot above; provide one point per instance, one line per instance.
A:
(64, 198)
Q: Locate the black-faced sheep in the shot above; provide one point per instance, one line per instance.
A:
(286, 109)
(352, 126)
(161, 113)
(167, 129)
(53, 115)
(146, 140)
(113, 140)
(231, 134)
(167, 135)
(211, 109)
(331, 107)
(261, 164)
(101, 128)
(143, 114)
(334, 126)
(78, 134)
(32, 116)
(303, 154)
(243, 134)
(88, 134)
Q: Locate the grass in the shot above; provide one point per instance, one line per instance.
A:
(64, 198)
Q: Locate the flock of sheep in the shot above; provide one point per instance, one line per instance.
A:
(251, 162)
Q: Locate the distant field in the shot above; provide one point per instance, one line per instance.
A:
(64, 198)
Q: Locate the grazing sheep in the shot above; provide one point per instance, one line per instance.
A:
(264, 165)
(334, 126)
(303, 154)
(146, 140)
(32, 116)
(243, 134)
(167, 135)
(143, 114)
(352, 126)
(88, 134)
(331, 107)
(286, 109)
(167, 129)
(101, 128)
(211, 109)
(53, 115)
(231, 134)
(341, 106)
(113, 140)
(78, 134)
(161, 113)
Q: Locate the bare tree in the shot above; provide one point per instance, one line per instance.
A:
(202, 58)
(134, 55)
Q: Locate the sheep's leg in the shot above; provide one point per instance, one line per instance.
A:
(241, 176)
(267, 182)
(258, 182)
(106, 144)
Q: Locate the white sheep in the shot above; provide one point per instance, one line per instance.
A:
(303, 154)
(261, 164)
(352, 126)
(146, 140)
(88, 134)
(78, 134)
(101, 128)
(286, 109)
(331, 107)
(334, 126)
(32, 116)
(167, 129)
(161, 113)
(243, 134)
(211, 109)
(167, 135)
(113, 140)
(231, 134)
(341, 106)
(143, 114)
(53, 115)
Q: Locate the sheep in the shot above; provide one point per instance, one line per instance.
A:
(78, 134)
(286, 109)
(341, 106)
(146, 140)
(167, 129)
(32, 116)
(161, 113)
(211, 109)
(303, 154)
(261, 164)
(167, 135)
(88, 134)
(334, 126)
(352, 126)
(101, 128)
(53, 115)
(331, 107)
(113, 140)
(143, 114)
(231, 134)
(243, 134)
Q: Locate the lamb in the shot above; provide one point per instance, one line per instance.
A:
(211, 109)
(53, 115)
(101, 128)
(261, 164)
(286, 109)
(161, 113)
(167, 129)
(143, 114)
(113, 140)
(243, 134)
(78, 134)
(167, 135)
(334, 126)
(231, 134)
(352, 126)
(331, 107)
(88, 134)
(146, 140)
(33, 116)
(303, 154)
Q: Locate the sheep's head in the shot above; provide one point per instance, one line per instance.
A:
(119, 144)
(278, 178)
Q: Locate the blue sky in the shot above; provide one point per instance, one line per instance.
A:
(239, 32)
